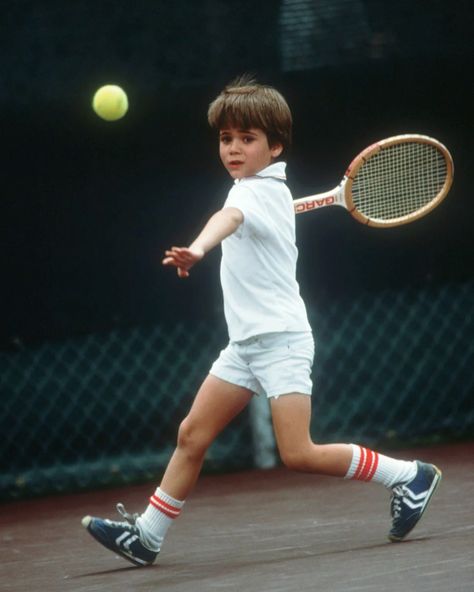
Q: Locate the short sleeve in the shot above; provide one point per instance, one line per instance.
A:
(245, 200)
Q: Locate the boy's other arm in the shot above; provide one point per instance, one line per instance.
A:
(221, 225)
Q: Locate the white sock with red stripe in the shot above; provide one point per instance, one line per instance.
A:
(158, 517)
(368, 465)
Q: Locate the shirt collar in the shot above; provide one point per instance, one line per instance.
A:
(275, 170)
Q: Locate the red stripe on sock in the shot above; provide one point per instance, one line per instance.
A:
(375, 464)
(164, 507)
(361, 463)
(367, 465)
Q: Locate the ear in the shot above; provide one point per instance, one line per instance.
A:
(276, 150)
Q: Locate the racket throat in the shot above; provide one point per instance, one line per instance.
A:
(335, 197)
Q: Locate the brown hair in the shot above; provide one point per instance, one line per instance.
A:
(245, 104)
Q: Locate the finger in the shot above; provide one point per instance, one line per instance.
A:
(176, 258)
(168, 261)
(183, 273)
(179, 253)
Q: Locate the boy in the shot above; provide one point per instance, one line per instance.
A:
(271, 348)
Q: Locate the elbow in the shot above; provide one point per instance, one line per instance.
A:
(236, 217)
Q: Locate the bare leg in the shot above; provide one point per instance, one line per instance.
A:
(216, 404)
(291, 416)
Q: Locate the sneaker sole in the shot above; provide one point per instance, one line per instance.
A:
(434, 486)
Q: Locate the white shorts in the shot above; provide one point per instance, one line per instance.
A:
(272, 364)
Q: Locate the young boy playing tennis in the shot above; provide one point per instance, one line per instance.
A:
(270, 352)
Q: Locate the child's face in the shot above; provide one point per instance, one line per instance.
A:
(246, 152)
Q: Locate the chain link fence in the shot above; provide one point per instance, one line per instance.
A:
(390, 368)
(396, 367)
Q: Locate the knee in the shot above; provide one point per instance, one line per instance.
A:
(191, 439)
(296, 460)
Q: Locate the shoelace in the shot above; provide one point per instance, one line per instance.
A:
(397, 498)
(130, 518)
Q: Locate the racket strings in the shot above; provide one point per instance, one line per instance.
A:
(399, 180)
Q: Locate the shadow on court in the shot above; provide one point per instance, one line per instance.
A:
(255, 531)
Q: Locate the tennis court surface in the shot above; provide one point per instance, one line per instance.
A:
(256, 531)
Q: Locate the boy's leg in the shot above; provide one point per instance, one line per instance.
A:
(291, 416)
(412, 483)
(216, 404)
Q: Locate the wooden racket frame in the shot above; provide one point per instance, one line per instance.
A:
(342, 194)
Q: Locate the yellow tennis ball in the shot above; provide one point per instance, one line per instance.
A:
(110, 102)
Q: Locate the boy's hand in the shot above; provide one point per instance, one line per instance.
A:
(219, 226)
(183, 258)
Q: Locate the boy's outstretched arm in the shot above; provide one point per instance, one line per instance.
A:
(221, 225)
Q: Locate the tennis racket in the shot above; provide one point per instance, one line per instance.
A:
(390, 183)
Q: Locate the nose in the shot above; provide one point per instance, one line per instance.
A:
(234, 146)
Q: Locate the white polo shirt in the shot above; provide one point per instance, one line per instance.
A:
(258, 266)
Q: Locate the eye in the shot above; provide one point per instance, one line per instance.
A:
(225, 139)
(248, 139)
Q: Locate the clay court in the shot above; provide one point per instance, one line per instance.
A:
(255, 531)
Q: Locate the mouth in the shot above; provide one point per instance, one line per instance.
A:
(235, 163)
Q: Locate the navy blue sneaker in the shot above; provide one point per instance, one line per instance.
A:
(121, 537)
(410, 500)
